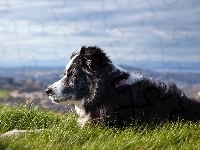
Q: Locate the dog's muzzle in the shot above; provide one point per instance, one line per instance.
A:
(49, 91)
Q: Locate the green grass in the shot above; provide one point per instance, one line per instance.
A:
(61, 132)
(4, 94)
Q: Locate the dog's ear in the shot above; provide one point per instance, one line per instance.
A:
(93, 59)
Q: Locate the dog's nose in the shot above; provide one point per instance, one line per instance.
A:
(49, 91)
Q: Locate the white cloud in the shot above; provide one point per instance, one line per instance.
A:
(51, 30)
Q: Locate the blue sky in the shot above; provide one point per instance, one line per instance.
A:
(141, 33)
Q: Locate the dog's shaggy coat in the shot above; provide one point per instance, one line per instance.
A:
(105, 93)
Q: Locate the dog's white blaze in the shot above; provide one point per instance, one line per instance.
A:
(70, 62)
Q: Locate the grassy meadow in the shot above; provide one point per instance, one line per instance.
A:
(61, 132)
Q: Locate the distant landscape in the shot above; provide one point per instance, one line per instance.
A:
(26, 85)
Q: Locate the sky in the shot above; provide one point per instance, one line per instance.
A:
(140, 33)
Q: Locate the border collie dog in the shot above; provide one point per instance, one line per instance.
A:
(107, 94)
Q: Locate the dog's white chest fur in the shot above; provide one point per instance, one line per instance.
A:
(83, 116)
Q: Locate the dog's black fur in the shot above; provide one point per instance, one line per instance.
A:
(110, 103)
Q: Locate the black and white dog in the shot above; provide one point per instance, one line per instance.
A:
(105, 93)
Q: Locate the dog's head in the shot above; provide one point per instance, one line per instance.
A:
(90, 65)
